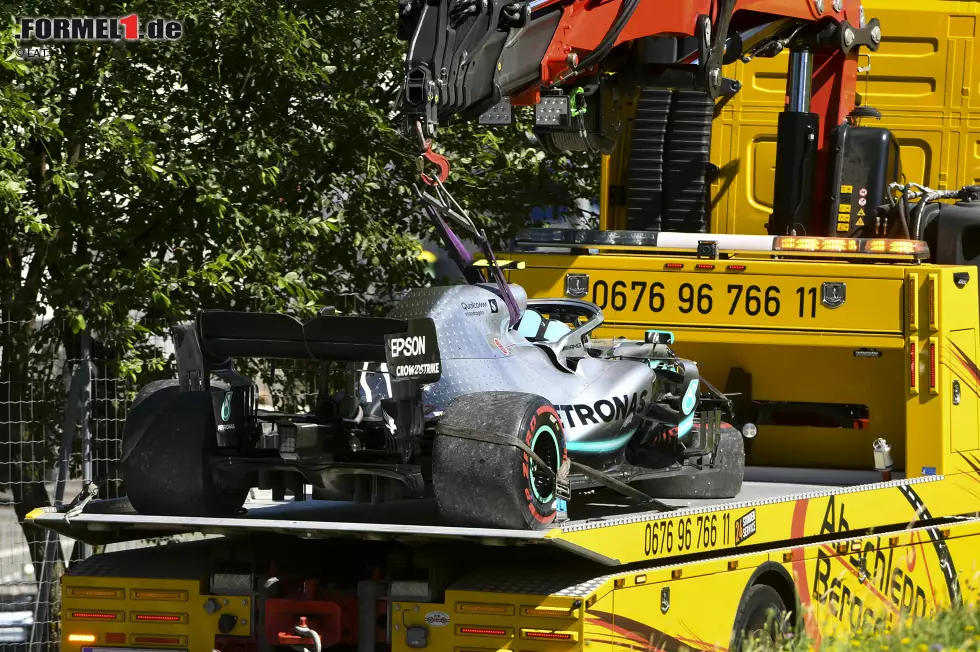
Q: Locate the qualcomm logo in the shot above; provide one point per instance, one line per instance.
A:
(474, 308)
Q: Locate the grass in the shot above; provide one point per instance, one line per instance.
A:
(947, 631)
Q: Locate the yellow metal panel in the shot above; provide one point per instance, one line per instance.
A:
(668, 536)
(922, 79)
(843, 585)
(194, 624)
(964, 426)
(743, 300)
(598, 632)
(676, 611)
(879, 582)
(449, 628)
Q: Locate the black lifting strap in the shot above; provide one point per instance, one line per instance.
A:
(562, 476)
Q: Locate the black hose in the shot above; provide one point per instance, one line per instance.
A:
(906, 212)
(918, 214)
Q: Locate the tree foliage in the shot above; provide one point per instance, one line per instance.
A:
(255, 163)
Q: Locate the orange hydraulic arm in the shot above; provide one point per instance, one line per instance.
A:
(575, 60)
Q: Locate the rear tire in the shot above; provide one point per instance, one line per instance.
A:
(168, 439)
(483, 484)
(723, 483)
(760, 623)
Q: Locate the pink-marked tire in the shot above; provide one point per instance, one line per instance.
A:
(483, 484)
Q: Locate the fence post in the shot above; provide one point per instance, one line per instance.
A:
(85, 549)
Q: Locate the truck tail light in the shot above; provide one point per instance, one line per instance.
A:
(483, 631)
(933, 389)
(546, 635)
(160, 595)
(501, 609)
(159, 618)
(933, 288)
(94, 615)
(159, 640)
(912, 387)
(913, 299)
(82, 638)
(94, 593)
(549, 612)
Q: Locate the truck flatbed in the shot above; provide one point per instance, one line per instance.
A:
(839, 552)
(603, 528)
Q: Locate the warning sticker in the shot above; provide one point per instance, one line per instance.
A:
(844, 208)
(861, 213)
(846, 190)
(846, 219)
(860, 222)
(842, 227)
(437, 619)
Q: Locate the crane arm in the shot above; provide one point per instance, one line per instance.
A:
(580, 64)
(472, 58)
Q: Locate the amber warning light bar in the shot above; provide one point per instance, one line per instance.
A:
(706, 245)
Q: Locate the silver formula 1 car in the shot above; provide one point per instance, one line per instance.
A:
(500, 406)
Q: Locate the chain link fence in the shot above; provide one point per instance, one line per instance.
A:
(62, 411)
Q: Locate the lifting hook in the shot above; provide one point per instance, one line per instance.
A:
(430, 156)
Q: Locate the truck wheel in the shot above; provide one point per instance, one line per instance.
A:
(168, 439)
(486, 484)
(760, 623)
(724, 483)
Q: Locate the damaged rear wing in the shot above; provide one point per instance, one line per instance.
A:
(210, 343)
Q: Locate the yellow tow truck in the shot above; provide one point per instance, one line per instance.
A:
(775, 320)
(852, 360)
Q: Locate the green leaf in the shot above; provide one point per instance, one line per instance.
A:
(77, 323)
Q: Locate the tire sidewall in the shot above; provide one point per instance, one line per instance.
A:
(170, 428)
(542, 428)
(488, 483)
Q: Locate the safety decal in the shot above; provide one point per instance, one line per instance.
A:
(500, 346)
(437, 619)
(744, 527)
